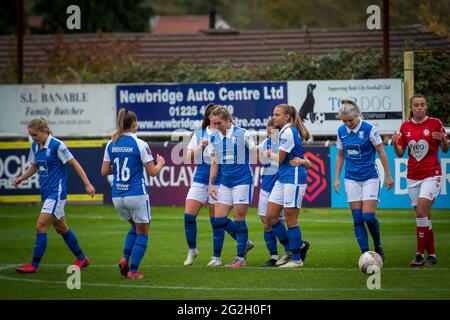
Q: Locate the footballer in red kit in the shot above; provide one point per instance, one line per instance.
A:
(422, 135)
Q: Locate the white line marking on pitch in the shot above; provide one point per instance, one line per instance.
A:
(6, 278)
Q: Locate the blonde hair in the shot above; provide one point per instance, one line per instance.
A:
(349, 107)
(125, 120)
(297, 122)
(39, 124)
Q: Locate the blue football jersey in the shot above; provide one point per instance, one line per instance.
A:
(128, 156)
(51, 160)
(270, 169)
(232, 154)
(291, 143)
(203, 158)
(359, 150)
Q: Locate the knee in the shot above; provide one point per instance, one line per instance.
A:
(62, 230)
(41, 227)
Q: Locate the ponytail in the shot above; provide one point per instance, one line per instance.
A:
(297, 122)
(125, 119)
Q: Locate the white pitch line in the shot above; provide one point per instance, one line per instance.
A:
(206, 288)
(2, 267)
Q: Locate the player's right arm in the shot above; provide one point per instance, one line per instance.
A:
(213, 171)
(32, 169)
(153, 169)
(337, 172)
(398, 143)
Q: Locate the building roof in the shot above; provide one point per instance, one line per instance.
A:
(239, 47)
(184, 24)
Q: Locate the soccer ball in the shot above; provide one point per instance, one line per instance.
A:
(369, 260)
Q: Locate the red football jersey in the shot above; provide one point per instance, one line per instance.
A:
(423, 149)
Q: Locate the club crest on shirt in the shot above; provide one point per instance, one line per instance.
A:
(361, 135)
(426, 132)
(234, 139)
(48, 152)
(408, 134)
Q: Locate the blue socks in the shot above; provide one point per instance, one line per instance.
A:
(190, 229)
(271, 242)
(218, 225)
(374, 227)
(281, 233)
(241, 237)
(39, 248)
(360, 230)
(72, 242)
(129, 243)
(295, 241)
(230, 227)
(138, 251)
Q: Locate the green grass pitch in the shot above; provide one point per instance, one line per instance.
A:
(330, 270)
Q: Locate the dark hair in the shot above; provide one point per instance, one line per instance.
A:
(209, 108)
(297, 122)
(418, 95)
(125, 120)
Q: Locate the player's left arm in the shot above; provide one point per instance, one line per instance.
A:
(377, 142)
(80, 172)
(389, 182)
(442, 137)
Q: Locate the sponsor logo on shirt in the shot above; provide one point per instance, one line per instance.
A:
(123, 187)
(353, 151)
(419, 149)
(149, 152)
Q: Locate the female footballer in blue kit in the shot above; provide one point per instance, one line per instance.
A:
(48, 157)
(199, 150)
(232, 152)
(288, 191)
(358, 141)
(125, 158)
(269, 177)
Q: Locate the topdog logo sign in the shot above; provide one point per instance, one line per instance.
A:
(317, 177)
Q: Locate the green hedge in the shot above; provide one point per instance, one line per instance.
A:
(113, 64)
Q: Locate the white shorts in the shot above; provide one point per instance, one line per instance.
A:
(54, 207)
(288, 195)
(263, 202)
(199, 192)
(241, 194)
(362, 190)
(136, 208)
(427, 188)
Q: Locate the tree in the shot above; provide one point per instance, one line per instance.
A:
(8, 17)
(96, 15)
